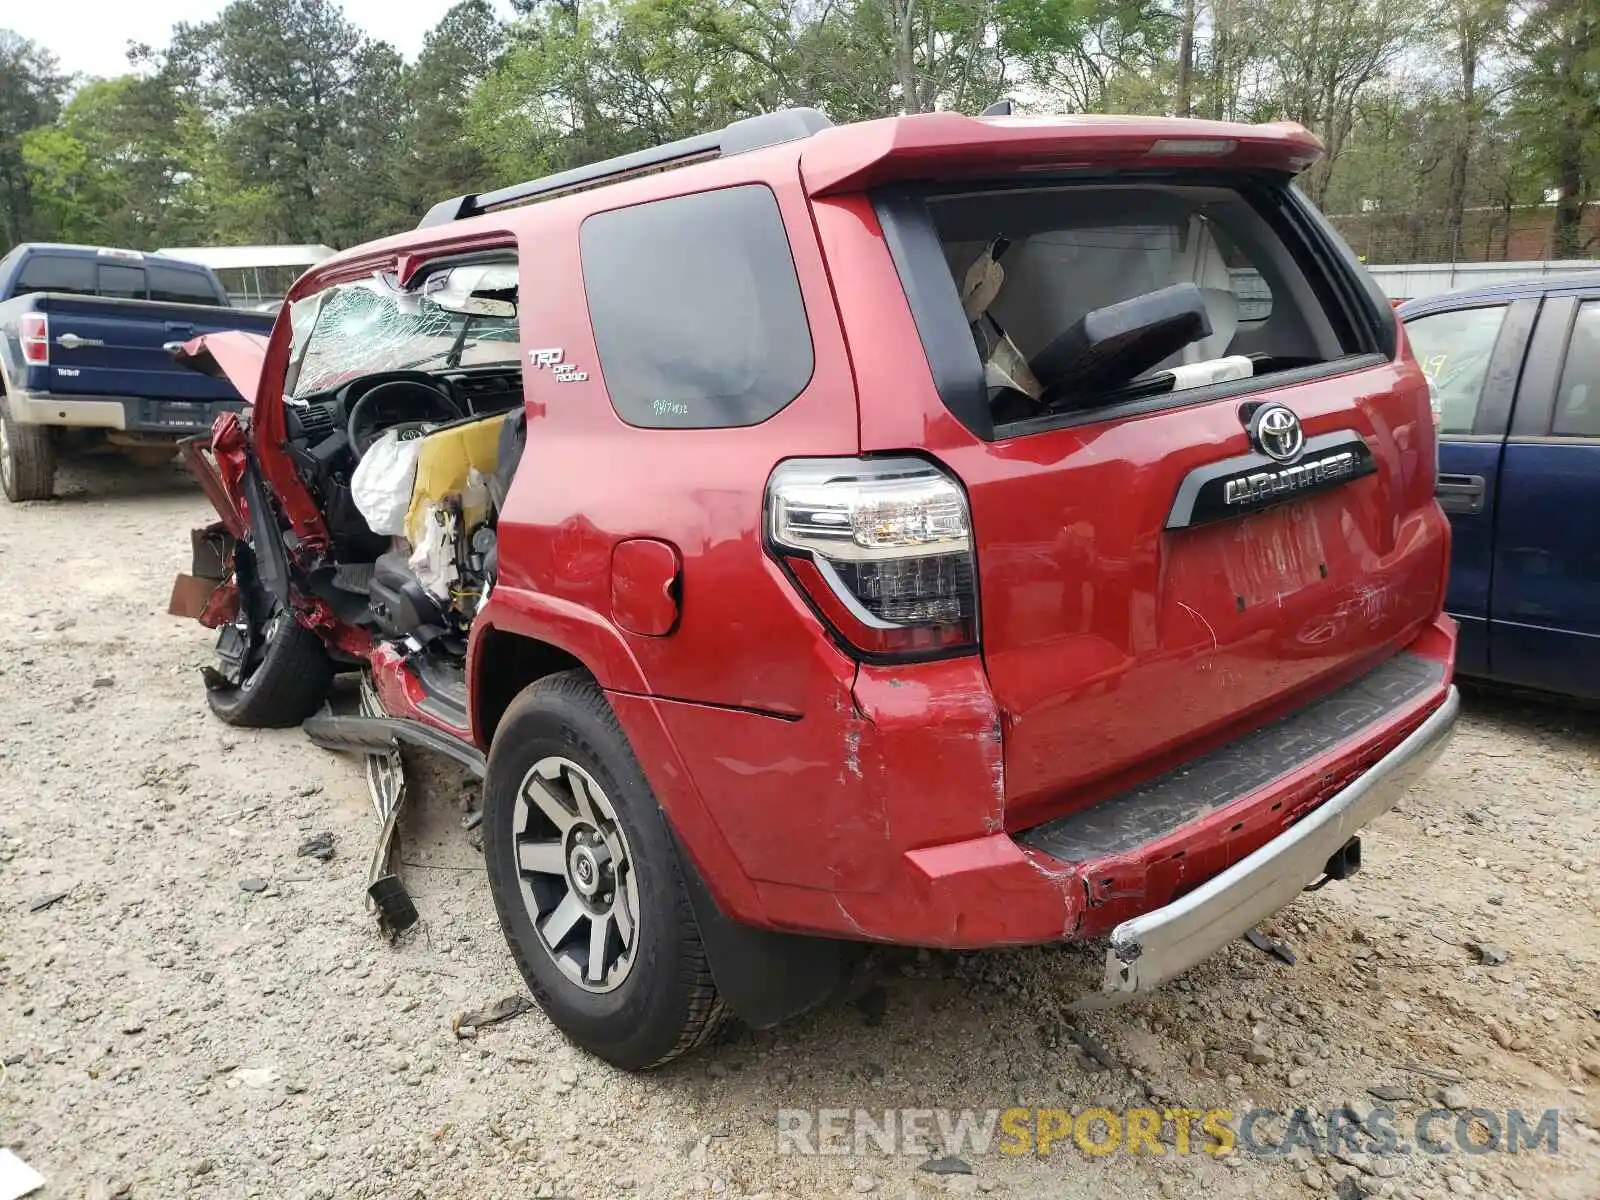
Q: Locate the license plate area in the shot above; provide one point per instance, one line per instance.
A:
(184, 415)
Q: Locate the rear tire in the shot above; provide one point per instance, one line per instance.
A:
(27, 458)
(287, 685)
(656, 999)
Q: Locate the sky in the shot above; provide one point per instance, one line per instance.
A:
(94, 40)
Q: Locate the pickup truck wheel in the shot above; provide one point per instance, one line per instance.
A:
(285, 681)
(27, 459)
(585, 880)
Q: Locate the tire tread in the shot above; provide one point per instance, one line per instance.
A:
(290, 684)
(33, 475)
(704, 1010)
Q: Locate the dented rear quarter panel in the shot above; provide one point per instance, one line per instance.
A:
(890, 759)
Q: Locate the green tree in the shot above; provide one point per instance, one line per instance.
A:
(457, 55)
(1476, 29)
(31, 88)
(304, 105)
(1324, 56)
(120, 166)
(1557, 106)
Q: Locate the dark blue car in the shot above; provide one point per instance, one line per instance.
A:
(1516, 371)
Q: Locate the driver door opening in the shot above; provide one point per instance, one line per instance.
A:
(404, 419)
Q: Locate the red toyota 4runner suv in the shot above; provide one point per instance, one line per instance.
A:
(940, 530)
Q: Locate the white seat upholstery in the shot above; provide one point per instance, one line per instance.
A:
(1222, 308)
(1202, 263)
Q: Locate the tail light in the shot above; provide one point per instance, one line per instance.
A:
(882, 548)
(34, 330)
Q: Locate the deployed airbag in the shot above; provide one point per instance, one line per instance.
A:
(382, 483)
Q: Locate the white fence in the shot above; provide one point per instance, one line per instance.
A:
(1407, 281)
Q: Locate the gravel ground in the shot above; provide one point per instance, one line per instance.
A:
(167, 1031)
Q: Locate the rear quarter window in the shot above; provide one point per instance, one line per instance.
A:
(1578, 396)
(1454, 350)
(55, 273)
(696, 309)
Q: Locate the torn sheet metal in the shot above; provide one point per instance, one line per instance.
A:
(386, 781)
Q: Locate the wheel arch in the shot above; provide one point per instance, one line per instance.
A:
(521, 635)
(502, 664)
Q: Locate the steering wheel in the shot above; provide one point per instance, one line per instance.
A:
(435, 403)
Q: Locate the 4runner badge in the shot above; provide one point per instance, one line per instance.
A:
(1219, 490)
(564, 371)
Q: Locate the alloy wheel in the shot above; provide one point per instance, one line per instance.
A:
(577, 875)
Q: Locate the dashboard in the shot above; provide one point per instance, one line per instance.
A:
(319, 439)
(476, 393)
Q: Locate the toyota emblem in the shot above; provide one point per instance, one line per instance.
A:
(1277, 434)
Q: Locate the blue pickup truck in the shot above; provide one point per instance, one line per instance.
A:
(1516, 375)
(86, 342)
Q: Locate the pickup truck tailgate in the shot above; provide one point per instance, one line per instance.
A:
(107, 347)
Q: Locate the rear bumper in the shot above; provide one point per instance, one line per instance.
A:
(1171, 869)
(1150, 949)
(131, 414)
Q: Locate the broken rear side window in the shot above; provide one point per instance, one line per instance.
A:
(1078, 297)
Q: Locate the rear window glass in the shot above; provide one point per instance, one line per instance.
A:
(696, 309)
(121, 283)
(56, 273)
(1033, 268)
(173, 285)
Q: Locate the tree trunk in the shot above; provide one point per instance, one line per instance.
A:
(905, 63)
(1569, 179)
(1466, 135)
(1218, 75)
(1576, 118)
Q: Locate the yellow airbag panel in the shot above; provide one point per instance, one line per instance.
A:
(443, 465)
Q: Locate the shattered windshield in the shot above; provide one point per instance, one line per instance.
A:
(461, 317)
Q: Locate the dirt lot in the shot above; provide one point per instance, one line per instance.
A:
(167, 1032)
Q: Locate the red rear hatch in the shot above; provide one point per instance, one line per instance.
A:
(1116, 646)
(1134, 609)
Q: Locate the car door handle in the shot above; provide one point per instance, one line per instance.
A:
(179, 327)
(173, 347)
(71, 341)
(1460, 493)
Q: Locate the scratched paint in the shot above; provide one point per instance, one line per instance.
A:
(1272, 556)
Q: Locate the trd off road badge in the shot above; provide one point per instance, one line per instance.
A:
(555, 361)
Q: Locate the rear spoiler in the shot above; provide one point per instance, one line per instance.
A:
(946, 145)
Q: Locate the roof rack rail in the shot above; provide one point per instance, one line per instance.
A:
(752, 133)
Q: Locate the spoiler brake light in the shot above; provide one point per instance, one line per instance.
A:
(1193, 147)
